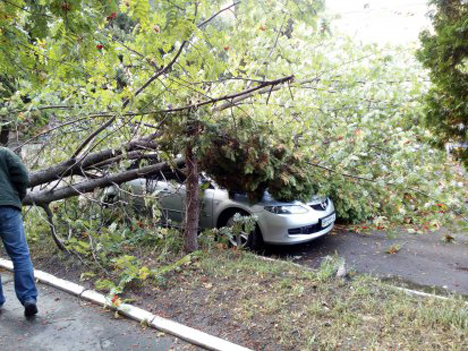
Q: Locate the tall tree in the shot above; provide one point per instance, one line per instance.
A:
(445, 53)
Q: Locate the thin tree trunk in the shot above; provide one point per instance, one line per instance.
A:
(192, 210)
(4, 135)
(53, 231)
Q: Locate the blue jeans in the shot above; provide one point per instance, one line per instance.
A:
(12, 235)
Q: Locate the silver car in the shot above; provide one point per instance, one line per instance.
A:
(279, 223)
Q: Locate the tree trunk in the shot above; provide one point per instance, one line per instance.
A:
(4, 135)
(192, 200)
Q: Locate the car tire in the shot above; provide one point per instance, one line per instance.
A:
(252, 241)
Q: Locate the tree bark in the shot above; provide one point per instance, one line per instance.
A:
(4, 135)
(192, 200)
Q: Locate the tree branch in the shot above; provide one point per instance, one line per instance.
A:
(41, 108)
(266, 86)
(71, 167)
(453, 209)
(52, 129)
(53, 232)
(127, 101)
(217, 13)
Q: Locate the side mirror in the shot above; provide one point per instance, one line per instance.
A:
(206, 184)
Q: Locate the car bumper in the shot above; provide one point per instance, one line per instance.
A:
(300, 238)
(293, 229)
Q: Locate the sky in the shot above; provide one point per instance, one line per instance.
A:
(381, 21)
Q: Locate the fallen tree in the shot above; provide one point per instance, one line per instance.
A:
(43, 198)
(138, 85)
(88, 164)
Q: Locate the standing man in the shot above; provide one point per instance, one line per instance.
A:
(13, 183)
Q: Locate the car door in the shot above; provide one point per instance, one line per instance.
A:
(171, 193)
(173, 203)
(171, 198)
(206, 205)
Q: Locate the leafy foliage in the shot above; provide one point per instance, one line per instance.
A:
(104, 239)
(248, 158)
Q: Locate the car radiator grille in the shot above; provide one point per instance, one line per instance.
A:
(309, 229)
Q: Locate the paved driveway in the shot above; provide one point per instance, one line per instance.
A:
(424, 260)
(66, 323)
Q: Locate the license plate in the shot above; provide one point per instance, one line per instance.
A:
(326, 221)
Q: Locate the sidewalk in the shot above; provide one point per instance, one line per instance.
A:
(67, 323)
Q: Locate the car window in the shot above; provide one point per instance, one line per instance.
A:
(168, 175)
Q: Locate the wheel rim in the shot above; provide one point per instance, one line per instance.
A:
(244, 237)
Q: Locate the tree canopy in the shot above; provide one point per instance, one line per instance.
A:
(445, 53)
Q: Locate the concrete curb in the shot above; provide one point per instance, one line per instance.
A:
(419, 293)
(181, 331)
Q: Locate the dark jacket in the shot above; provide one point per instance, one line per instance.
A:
(13, 179)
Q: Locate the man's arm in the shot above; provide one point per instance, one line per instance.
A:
(19, 174)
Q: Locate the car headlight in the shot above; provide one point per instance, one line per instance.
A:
(286, 209)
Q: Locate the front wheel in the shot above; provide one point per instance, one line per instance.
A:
(252, 240)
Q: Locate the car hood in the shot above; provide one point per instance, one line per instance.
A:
(267, 200)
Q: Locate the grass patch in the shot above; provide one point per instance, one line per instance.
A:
(303, 311)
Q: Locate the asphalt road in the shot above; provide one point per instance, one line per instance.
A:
(66, 323)
(423, 261)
